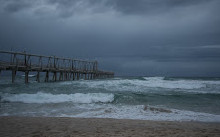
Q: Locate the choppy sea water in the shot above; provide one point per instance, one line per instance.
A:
(146, 98)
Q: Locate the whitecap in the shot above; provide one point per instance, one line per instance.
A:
(41, 97)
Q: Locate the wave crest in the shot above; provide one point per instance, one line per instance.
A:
(41, 97)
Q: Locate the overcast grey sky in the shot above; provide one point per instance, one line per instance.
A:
(129, 37)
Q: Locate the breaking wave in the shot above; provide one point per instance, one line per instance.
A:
(177, 84)
(147, 98)
(140, 112)
(41, 97)
(147, 83)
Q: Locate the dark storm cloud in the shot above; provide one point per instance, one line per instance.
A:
(150, 6)
(130, 37)
(15, 5)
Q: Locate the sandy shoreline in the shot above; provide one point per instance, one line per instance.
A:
(48, 126)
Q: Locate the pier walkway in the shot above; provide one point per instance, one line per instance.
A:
(62, 69)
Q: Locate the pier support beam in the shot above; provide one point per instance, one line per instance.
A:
(64, 76)
(68, 76)
(26, 76)
(61, 76)
(47, 76)
(77, 75)
(55, 76)
(38, 77)
(85, 76)
(73, 76)
(13, 75)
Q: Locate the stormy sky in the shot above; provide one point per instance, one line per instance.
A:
(129, 37)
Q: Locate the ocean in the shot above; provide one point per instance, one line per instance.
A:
(144, 98)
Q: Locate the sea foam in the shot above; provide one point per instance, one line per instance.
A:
(147, 83)
(139, 112)
(41, 97)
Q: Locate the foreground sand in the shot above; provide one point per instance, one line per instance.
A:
(74, 127)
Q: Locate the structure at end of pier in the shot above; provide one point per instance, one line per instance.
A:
(58, 68)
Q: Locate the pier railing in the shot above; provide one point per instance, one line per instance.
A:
(69, 69)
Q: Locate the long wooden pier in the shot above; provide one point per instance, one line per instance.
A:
(62, 69)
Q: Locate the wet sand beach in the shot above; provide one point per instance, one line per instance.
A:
(93, 127)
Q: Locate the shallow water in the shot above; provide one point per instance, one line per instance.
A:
(149, 98)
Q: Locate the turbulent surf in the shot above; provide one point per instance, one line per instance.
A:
(148, 98)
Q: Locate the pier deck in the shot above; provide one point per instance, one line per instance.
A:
(65, 68)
